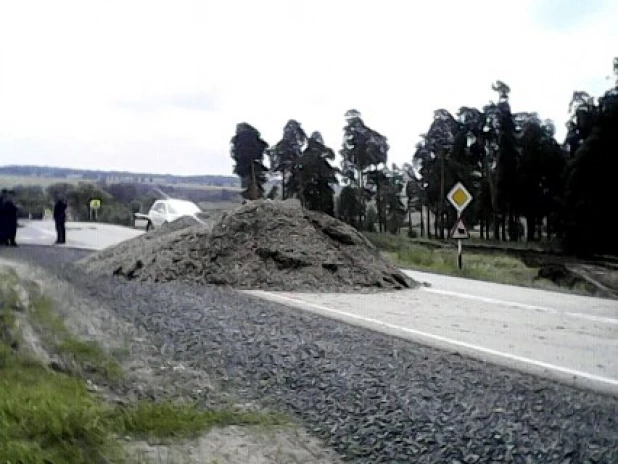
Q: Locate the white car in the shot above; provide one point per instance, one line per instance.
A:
(169, 210)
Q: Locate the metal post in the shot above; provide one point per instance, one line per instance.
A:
(459, 257)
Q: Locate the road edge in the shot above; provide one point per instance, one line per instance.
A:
(570, 377)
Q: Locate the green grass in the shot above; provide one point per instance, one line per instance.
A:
(44, 416)
(482, 266)
(52, 417)
(91, 357)
(81, 357)
(166, 419)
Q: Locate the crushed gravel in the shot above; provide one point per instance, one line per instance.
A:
(372, 397)
(261, 245)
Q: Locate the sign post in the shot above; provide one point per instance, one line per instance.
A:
(460, 198)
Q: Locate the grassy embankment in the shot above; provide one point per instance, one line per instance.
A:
(48, 412)
(434, 257)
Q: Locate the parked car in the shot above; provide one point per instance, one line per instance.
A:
(170, 210)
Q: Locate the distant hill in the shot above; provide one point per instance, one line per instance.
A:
(118, 176)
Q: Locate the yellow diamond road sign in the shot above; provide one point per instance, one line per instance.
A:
(459, 197)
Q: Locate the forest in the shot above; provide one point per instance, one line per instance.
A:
(527, 185)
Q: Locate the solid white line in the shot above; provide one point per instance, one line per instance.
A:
(480, 349)
(489, 300)
(609, 320)
(590, 317)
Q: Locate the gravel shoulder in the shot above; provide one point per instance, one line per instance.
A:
(150, 374)
(371, 397)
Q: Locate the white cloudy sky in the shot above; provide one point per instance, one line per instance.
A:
(159, 85)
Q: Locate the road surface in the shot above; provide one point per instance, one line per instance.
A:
(576, 343)
(87, 235)
(566, 337)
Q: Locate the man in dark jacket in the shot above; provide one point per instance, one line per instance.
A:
(60, 218)
(3, 218)
(10, 218)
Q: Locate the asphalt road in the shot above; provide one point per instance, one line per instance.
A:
(84, 235)
(565, 337)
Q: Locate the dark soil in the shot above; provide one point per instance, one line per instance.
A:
(260, 245)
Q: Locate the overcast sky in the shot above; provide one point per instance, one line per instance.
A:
(159, 86)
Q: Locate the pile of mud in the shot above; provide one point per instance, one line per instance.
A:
(260, 245)
(178, 224)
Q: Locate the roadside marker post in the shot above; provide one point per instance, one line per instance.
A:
(460, 198)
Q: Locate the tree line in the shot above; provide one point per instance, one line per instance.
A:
(526, 184)
(119, 201)
(304, 164)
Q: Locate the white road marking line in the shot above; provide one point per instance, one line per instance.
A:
(489, 300)
(428, 336)
(593, 318)
(609, 320)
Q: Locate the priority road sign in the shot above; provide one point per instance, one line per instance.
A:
(459, 197)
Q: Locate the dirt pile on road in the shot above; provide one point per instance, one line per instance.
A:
(263, 244)
(178, 224)
(128, 253)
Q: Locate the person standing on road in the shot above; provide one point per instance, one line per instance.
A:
(60, 218)
(3, 219)
(10, 218)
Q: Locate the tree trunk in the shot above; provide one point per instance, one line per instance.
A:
(444, 221)
(381, 209)
(442, 193)
(503, 227)
(513, 227)
(409, 220)
(531, 226)
(361, 192)
(422, 222)
(428, 215)
(496, 227)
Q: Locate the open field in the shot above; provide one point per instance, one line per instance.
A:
(202, 187)
(217, 206)
(9, 181)
(27, 181)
